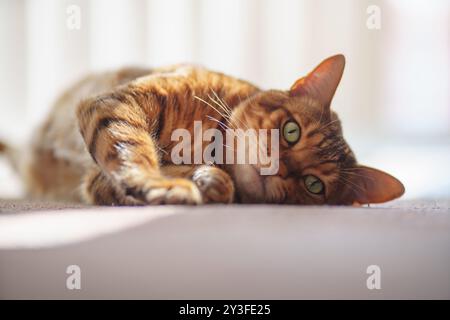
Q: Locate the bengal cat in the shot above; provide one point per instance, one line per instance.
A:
(108, 141)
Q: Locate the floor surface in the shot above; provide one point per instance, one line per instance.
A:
(226, 252)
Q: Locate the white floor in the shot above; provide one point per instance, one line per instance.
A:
(229, 252)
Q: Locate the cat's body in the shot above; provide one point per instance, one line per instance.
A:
(60, 157)
(108, 140)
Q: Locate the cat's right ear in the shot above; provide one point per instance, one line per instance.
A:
(371, 185)
(322, 82)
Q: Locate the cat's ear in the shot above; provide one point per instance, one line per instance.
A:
(375, 186)
(322, 82)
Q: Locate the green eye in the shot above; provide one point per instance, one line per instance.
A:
(313, 184)
(291, 132)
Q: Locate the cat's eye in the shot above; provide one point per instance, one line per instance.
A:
(291, 132)
(313, 184)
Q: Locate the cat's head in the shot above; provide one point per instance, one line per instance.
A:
(316, 165)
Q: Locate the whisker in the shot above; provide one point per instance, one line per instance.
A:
(346, 182)
(223, 125)
(226, 116)
(227, 112)
(227, 107)
(210, 105)
(220, 101)
(317, 123)
(312, 148)
(352, 184)
(349, 172)
(327, 124)
(162, 150)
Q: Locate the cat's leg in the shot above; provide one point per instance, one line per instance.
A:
(215, 185)
(99, 189)
(118, 134)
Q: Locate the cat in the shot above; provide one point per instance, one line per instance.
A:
(107, 141)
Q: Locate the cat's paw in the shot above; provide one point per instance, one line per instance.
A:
(215, 185)
(169, 191)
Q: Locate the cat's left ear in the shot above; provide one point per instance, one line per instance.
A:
(374, 186)
(322, 82)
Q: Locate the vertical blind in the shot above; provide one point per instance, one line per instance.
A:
(396, 80)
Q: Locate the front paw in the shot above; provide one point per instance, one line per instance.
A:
(168, 191)
(215, 185)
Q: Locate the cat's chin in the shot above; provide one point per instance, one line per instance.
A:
(249, 183)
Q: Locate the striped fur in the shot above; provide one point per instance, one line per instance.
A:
(113, 147)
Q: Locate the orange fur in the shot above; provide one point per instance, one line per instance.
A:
(113, 147)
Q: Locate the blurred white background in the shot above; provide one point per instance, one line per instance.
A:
(393, 100)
